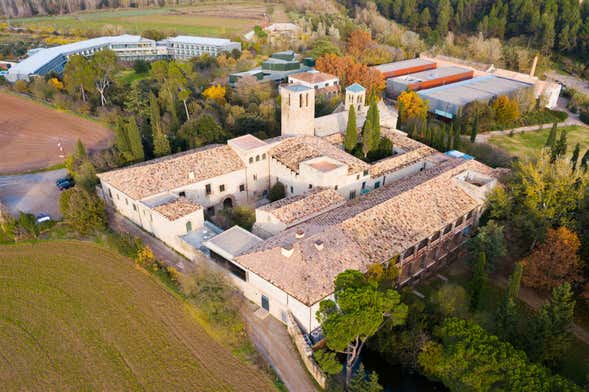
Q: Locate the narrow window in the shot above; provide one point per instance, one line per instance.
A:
(352, 194)
(208, 189)
(377, 185)
(310, 186)
(307, 100)
(301, 100)
(255, 177)
(242, 188)
(134, 207)
(222, 188)
(257, 158)
(291, 189)
(182, 194)
(251, 159)
(188, 226)
(335, 187)
(110, 193)
(264, 156)
(364, 185)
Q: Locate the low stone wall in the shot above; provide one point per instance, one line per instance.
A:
(306, 352)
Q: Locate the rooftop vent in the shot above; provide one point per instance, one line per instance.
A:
(191, 175)
(287, 250)
(300, 233)
(319, 245)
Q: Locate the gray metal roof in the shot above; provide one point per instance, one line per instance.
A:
(32, 64)
(431, 74)
(355, 88)
(402, 65)
(187, 39)
(297, 87)
(450, 98)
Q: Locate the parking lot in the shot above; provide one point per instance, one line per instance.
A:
(34, 193)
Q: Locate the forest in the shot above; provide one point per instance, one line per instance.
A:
(547, 25)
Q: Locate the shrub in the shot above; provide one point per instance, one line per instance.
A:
(124, 243)
(144, 256)
(21, 86)
(140, 66)
(277, 192)
(243, 216)
(451, 300)
(82, 210)
(584, 116)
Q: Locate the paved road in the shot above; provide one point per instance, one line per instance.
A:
(34, 193)
(570, 81)
(268, 335)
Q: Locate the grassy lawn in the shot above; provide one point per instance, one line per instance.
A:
(207, 19)
(77, 316)
(527, 143)
(129, 75)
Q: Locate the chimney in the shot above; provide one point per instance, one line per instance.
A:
(300, 233)
(534, 63)
(287, 250)
(191, 175)
(319, 245)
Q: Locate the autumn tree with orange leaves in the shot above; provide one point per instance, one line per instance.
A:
(349, 71)
(365, 50)
(554, 262)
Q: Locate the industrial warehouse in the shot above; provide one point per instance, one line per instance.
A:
(42, 61)
(450, 84)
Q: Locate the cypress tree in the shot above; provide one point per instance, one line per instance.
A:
(81, 150)
(457, 139)
(134, 137)
(560, 147)
(375, 134)
(367, 130)
(161, 144)
(478, 281)
(515, 281)
(575, 157)
(585, 161)
(551, 136)
(122, 141)
(351, 137)
(475, 129)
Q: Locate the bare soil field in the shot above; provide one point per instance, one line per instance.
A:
(30, 134)
(77, 316)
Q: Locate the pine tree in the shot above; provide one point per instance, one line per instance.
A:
(475, 129)
(134, 137)
(550, 335)
(551, 136)
(478, 281)
(81, 150)
(575, 157)
(351, 137)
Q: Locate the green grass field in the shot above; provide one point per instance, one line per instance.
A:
(77, 316)
(528, 143)
(207, 19)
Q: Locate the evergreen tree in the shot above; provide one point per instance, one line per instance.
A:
(585, 161)
(161, 144)
(134, 137)
(575, 157)
(375, 133)
(560, 147)
(478, 281)
(550, 335)
(367, 130)
(351, 137)
(507, 315)
(81, 150)
(551, 136)
(122, 141)
(475, 129)
(457, 144)
(363, 383)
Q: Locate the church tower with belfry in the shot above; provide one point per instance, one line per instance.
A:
(297, 110)
(355, 96)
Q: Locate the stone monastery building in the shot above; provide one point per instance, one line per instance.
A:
(416, 206)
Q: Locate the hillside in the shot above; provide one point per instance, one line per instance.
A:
(76, 316)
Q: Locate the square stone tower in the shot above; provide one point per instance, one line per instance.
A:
(355, 95)
(297, 110)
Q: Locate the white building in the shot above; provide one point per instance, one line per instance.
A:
(126, 47)
(340, 212)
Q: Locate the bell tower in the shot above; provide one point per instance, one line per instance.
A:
(355, 95)
(297, 110)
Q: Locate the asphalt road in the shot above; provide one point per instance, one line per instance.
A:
(34, 193)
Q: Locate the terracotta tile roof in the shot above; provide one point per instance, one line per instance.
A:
(370, 229)
(292, 151)
(177, 208)
(298, 208)
(174, 171)
(313, 77)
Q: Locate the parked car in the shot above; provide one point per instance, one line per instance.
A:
(67, 184)
(43, 218)
(63, 179)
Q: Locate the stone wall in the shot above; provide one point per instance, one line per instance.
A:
(306, 352)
